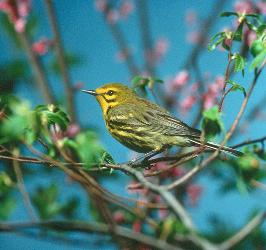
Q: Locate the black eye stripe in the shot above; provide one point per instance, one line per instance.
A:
(108, 99)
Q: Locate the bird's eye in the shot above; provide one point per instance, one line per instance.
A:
(110, 92)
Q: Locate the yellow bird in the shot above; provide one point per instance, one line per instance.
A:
(144, 126)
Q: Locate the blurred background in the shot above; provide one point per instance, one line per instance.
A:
(159, 38)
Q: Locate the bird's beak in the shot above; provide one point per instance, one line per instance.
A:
(91, 92)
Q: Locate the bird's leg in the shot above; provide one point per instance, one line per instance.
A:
(143, 159)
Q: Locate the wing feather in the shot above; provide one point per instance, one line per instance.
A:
(154, 118)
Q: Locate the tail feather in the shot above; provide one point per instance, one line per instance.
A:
(214, 146)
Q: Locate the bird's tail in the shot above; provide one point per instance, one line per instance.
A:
(213, 146)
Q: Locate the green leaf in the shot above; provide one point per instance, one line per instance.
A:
(248, 162)
(258, 46)
(90, 151)
(239, 62)
(139, 81)
(12, 71)
(158, 80)
(238, 34)
(261, 29)
(7, 205)
(106, 158)
(256, 16)
(45, 201)
(236, 87)
(241, 185)
(51, 115)
(212, 123)
(7, 202)
(69, 209)
(258, 60)
(20, 125)
(5, 183)
(260, 152)
(216, 40)
(227, 14)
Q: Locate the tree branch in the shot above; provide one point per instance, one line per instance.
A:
(38, 69)
(61, 60)
(248, 142)
(23, 190)
(243, 233)
(80, 226)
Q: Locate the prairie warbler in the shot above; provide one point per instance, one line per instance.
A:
(144, 126)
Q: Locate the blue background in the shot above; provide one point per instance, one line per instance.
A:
(86, 34)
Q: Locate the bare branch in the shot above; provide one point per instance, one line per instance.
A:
(37, 68)
(243, 233)
(23, 190)
(121, 42)
(61, 60)
(80, 226)
(248, 142)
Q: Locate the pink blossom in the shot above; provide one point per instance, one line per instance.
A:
(218, 83)
(244, 7)
(210, 96)
(126, 8)
(194, 37)
(191, 17)
(194, 191)
(122, 55)
(72, 130)
(208, 101)
(161, 166)
(178, 171)
(136, 187)
(119, 217)
(100, 5)
(180, 79)
(20, 25)
(78, 85)
(17, 12)
(24, 7)
(261, 5)
(160, 48)
(112, 16)
(41, 47)
(188, 103)
(250, 36)
(4, 6)
(136, 226)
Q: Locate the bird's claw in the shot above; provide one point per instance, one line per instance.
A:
(136, 163)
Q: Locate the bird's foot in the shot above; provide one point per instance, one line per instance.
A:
(139, 163)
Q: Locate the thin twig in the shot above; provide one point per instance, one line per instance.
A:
(145, 34)
(248, 142)
(23, 190)
(61, 60)
(213, 156)
(80, 226)
(121, 42)
(243, 233)
(204, 31)
(171, 200)
(41, 79)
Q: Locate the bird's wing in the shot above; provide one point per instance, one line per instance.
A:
(173, 126)
(153, 118)
(127, 115)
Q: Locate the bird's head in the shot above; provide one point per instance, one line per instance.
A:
(111, 95)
